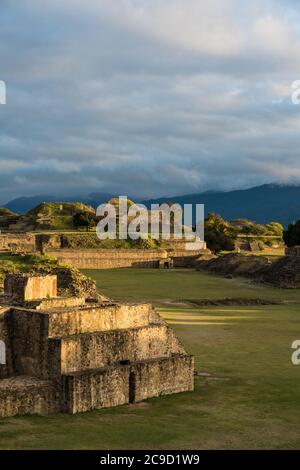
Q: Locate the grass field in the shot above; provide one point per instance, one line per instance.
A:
(249, 399)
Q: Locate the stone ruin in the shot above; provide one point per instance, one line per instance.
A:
(24, 288)
(70, 355)
(292, 250)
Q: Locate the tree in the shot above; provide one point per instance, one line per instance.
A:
(217, 241)
(219, 235)
(274, 228)
(84, 219)
(291, 236)
(246, 230)
(216, 223)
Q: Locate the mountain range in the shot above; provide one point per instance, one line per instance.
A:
(262, 204)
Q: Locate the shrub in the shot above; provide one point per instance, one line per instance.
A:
(291, 236)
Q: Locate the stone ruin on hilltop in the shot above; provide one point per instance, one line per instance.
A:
(70, 355)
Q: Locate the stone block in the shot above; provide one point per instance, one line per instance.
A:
(25, 287)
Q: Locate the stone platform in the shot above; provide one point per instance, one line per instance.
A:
(72, 355)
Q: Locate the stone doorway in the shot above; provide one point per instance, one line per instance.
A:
(166, 263)
(132, 387)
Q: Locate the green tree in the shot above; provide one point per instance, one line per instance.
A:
(219, 234)
(84, 219)
(216, 223)
(275, 228)
(291, 236)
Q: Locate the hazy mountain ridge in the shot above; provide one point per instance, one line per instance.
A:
(269, 202)
(262, 204)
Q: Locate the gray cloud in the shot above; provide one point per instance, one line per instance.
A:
(147, 98)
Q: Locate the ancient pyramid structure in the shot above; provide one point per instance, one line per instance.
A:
(72, 355)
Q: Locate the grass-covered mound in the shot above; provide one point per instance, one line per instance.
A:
(47, 216)
(90, 241)
(4, 212)
(284, 273)
(55, 215)
(70, 280)
(59, 209)
(7, 217)
(235, 263)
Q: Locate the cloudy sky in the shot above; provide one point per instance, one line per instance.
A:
(148, 97)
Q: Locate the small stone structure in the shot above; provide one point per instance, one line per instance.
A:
(71, 355)
(109, 259)
(24, 242)
(23, 287)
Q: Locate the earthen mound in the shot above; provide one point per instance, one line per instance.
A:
(284, 273)
(235, 263)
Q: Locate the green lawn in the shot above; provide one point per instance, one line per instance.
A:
(157, 286)
(250, 400)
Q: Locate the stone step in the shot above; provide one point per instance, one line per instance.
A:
(102, 349)
(122, 384)
(62, 322)
(23, 395)
(94, 318)
(57, 303)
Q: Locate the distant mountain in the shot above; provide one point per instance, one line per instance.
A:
(262, 204)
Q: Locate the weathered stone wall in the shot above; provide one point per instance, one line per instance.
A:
(120, 258)
(7, 369)
(95, 390)
(106, 259)
(111, 387)
(92, 319)
(45, 242)
(34, 355)
(59, 302)
(24, 395)
(24, 287)
(164, 377)
(93, 351)
(19, 241)
(30, 342)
